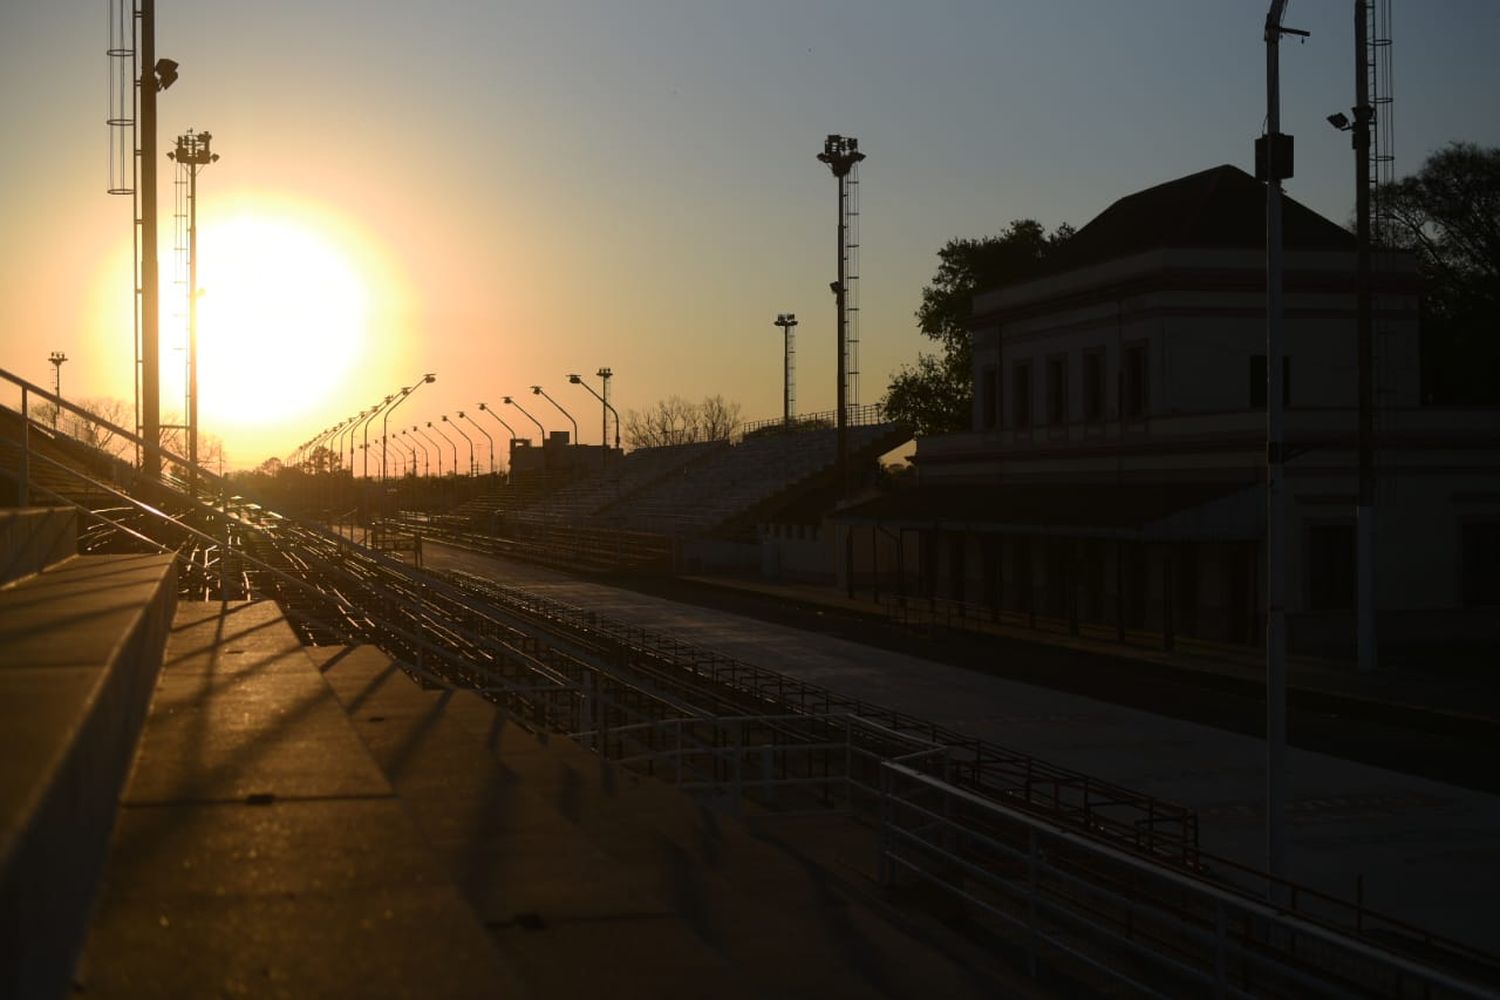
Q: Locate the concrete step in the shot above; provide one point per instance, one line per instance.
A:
(260, 851)
(80, 647)
(594, 878)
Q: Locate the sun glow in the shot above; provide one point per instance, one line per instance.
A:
(282, 318)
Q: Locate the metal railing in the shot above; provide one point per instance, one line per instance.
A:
(863, 415)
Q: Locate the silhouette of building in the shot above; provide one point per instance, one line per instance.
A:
(1114, 469)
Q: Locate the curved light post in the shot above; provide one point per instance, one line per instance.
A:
(437, 448)
(511, 402)
(401, 437)
(463, 416)
(413, 444)
(439, 432)
(537, 390)
(608, 408)
(426, 458)
(460, 431)
(484, 408)
(374, 412)
(429, 377)
(350, 429)
(604, 411)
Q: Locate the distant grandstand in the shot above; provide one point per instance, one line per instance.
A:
(639, 511)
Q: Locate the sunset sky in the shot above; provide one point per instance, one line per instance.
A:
(502, 193)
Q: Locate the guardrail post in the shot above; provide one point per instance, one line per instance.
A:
(1031, 909)
(24, 497)
(1221, 983)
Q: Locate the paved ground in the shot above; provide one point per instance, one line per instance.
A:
(1428, 852)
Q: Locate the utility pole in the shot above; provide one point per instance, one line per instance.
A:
(57, 358)
(192, 155)
(1273, 165)
(1364, 520)
(841, 153)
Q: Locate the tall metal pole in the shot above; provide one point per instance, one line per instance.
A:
(537, 390)
(150, 305)
(192, 155)
(788, 324)
(487, 437)
(1274, 171)
(460, 432)
(1364, 519)
(56, 358)
(841, 153)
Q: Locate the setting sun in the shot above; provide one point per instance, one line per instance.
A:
(282, 318)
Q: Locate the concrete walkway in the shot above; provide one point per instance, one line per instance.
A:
(260, 852)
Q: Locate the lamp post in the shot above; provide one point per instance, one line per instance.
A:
(537, 390)
(788, 324)
(460, 431)
(511, 402)
(156, 75)
(56, 358)
(435, 447)
(413, 443)
(429, 377)
(192, 155)
(604, 410)
(439, 432)
(374, 412)
(841, 153)
(484, 408)
(463, 416)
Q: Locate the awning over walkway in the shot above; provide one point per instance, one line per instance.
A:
(1136, 511)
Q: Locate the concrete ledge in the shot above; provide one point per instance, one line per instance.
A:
(80, 647)
(33, 538)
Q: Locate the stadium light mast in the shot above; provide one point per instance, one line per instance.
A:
(460, 431)
(451, 443)
(464, 416)
(537, 390)
(788, 324)
(841, 153)
(485, 408)
(511, 402)
(435, 447)
(1273, 164)
(192, 155)
(401, 398)
(56, 358)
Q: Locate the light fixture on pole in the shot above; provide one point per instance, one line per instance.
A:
(424, 380)
(192, 155)
(487, 437)
(511, 402)
(605, 410)
(437, 448)
(485, 408)
(788, 324)
(460, 431)
(451, 443)
(56, 358)
(537, 390)
(841, 154)
(375, 411)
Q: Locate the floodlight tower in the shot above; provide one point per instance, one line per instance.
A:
(788, 324)
(192, 155)
(57, 358)
(136, 76)
(842, 155)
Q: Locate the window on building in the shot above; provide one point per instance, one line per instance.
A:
(1021, 395)
(1057, 390)
(989, 397)
(1258, 381)
(1479, 558)
(1330, 567)
(1135, 381)
(1093, 386)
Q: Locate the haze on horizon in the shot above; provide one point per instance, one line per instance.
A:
(503, 194)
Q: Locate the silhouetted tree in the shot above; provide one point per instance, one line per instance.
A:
(934, 395)
(674, 420)
(114, 411)
(1448, 214)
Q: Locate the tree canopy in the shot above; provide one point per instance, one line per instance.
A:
(675, 420)
(1448, 214)
(934, 394)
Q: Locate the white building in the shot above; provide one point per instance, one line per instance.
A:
(1114, 469)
